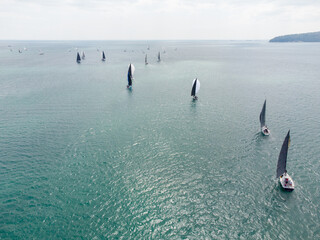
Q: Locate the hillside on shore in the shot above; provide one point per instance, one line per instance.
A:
(303, 37)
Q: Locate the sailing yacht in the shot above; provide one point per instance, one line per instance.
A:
(130, 76)
(78, 58)
(195, 88)
(146, 60)
(159, 59)
(103, 56)
(264, 129)
(286, 181)
(83, 56)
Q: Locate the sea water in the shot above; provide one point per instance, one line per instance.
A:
(81, 156)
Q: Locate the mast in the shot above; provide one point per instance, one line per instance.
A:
(282, 161)
(263, 115)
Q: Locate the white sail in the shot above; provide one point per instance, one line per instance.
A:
(132, 69)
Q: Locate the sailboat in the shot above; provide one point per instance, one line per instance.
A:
(264, 129)
(195, 88)
(159, 59)
(78, 58)
(146, 60)
(130, 76)
(83, 56)
(284, 178)
(103, 56)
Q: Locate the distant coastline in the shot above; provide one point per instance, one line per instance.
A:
(302, 37)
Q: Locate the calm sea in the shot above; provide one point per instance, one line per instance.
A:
(83, 157)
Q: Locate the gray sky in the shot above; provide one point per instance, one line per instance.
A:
(156, 19)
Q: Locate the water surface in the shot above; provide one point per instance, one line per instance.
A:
(83, 157)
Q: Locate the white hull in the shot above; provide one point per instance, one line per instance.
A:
(265, 131)
(286, 182)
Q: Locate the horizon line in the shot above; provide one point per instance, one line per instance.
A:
(134, 39)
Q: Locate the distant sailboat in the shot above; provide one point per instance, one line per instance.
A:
(284, 178)
(130, 76)
(264, 129)
(195, 88)
(83, 56)
(103, 56)
(19, 51)
(78, 58)
(148, 48)
(146, 60)
(159, 59)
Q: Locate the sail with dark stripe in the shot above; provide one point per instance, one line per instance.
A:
(130, 74)
(282, 161)
(195, 87)
(263, 115)
(193, 90)
(103, 56)
(78, 58)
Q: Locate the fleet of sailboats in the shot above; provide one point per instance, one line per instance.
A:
(285, 179)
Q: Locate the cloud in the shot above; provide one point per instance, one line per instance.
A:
(156, 19)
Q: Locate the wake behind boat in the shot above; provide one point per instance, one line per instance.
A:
(264, 129)
(195, 88)
(130, 76)
(285, 180)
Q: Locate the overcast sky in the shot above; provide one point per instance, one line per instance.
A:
(156, 19)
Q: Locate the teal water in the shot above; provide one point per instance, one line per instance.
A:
(83, 157)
